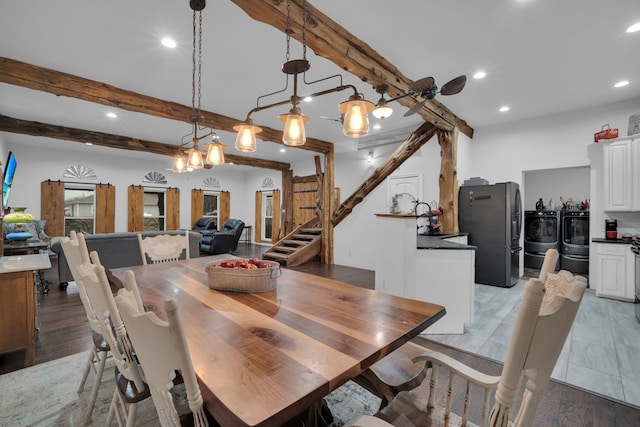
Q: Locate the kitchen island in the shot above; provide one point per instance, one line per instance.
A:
(438, 268)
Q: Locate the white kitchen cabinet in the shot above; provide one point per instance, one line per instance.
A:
(621, 171)
(439, 274)
(614, 276)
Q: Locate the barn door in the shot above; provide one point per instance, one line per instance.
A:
(305, 201)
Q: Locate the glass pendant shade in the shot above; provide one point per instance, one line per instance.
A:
(294, 133)
(382, 111)
(179, 164)
(194, 158)
(215, 153)
(356, 120)
(246, 139)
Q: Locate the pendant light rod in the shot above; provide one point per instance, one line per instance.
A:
(313, 95)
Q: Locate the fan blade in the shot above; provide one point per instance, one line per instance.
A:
(411, 111)
(454, 86)
(422, 85)
(333, 119)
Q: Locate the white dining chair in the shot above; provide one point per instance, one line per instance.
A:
(164, 247)
(76, 253)
(162, 350)
(130, 387)
(537, 340)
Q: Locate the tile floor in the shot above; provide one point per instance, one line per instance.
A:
(602, 352)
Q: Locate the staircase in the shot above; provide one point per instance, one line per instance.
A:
(297, 247)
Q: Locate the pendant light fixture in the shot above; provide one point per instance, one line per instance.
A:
(215, 154)
(355, 109)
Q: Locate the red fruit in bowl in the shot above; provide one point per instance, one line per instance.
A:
(254, 261)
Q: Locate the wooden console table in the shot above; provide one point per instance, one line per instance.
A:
(18, 302)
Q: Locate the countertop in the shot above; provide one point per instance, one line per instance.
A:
(603, 240)
(13, 264)
(437, 242)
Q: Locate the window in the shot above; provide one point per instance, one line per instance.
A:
(154, 209)
(210, 206)
(267, 215)
(79, 208)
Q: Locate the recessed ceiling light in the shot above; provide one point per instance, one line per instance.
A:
(112, 115)
(377, 126)
(169, 42)
(504, 109)
(479, 75)
(307, 98)
(621, 83)
(282, 150)
(635, 27)
(88, 143)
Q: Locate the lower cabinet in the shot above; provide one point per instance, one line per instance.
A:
(18, 313)
(614, 271)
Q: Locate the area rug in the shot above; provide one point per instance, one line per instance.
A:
(46, 395)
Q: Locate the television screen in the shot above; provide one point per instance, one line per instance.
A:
(9, 172)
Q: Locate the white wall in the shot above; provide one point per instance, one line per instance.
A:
(498, 154)
(38, 163)
(555, 185)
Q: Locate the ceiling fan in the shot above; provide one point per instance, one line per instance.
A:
(425, 88)
(339, 119)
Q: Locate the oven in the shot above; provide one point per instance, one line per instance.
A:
(635, 248)
(574, 245)
(541, 232)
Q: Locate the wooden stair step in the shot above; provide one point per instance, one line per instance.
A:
(311, 230)
(287, 249)
(304, 236)
(295, 242)
(275, 255)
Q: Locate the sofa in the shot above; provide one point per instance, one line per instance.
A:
(223, 241)
(116, 250)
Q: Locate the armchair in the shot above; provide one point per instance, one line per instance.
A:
(223, 241)
(205, 223)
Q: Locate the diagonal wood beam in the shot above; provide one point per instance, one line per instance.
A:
(12, 125)
(413, 143)
(58, 83)
(333, 42)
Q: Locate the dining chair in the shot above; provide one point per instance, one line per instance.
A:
(130, 387)
(539, 334)
(75, 250)
(163, 247)
(162, 350)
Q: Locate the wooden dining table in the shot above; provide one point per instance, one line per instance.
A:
(263, 358)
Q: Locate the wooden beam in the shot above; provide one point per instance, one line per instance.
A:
(12, 125)
(413, 143)
(58, 83)
(448, 180)
(331, 41)
(329, 207)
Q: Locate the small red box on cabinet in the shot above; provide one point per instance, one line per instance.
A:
(605, 133)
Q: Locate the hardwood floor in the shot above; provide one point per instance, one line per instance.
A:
(64, 331)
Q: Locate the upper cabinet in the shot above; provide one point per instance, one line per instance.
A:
(621, 171)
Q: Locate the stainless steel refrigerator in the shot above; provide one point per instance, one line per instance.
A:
(492, 215)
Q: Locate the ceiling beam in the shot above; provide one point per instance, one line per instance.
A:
(58, 83)
(331, 41)
(12, 125)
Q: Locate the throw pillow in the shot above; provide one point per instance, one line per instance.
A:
(557, 284)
